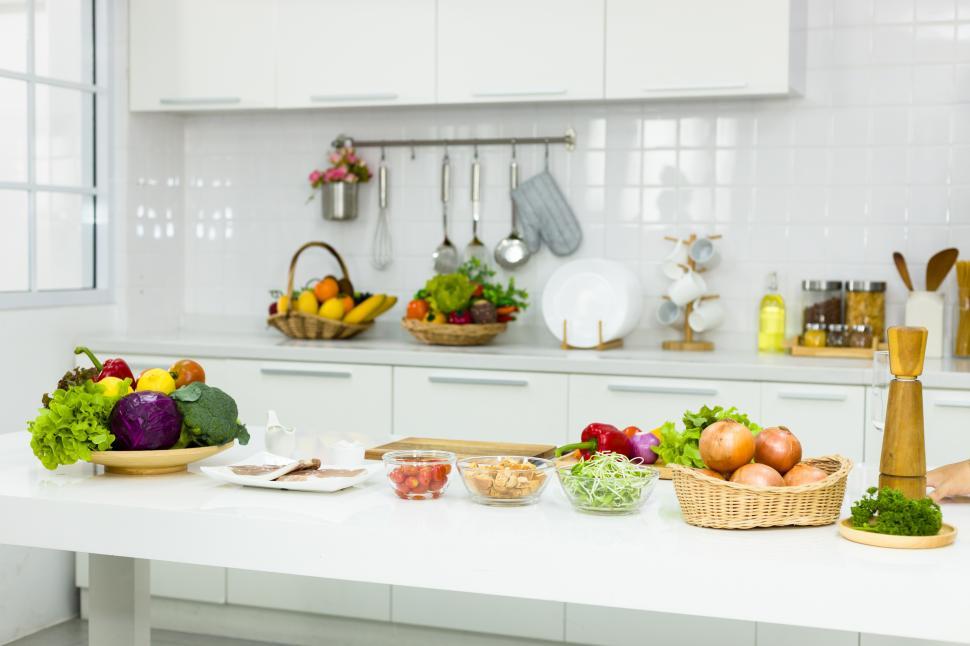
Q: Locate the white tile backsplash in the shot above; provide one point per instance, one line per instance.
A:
(874, 157)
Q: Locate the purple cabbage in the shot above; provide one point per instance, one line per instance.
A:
(145, 420)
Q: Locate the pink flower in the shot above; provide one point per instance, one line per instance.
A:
(315, 177)
(352, 158)
(351, 178)
(336, 174)
(334, 158)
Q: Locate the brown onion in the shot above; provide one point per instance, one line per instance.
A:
(711, 472)
(803, 473)
(726, 445)
(778, 448)
(758, 475)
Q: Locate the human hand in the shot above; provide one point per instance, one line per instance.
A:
(951, 480)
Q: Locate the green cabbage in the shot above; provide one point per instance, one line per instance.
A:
(449, 293)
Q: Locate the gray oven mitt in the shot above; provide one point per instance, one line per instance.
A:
(543, 210)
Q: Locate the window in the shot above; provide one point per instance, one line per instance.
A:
(52, 206)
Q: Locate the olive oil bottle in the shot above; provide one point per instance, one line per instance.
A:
(771, 319)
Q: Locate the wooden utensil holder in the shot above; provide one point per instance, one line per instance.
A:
(689, 343)
(903, 461)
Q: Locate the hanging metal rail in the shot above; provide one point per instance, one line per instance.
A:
(568, 140)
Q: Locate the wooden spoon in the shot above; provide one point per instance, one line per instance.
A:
(903, 269)
(938, 267)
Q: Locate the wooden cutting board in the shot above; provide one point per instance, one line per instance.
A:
(463, 448)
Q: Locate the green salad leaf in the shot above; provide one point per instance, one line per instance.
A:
(74, 423)
(495, 293)
(682, 447)
(888, 511)
(449, 293)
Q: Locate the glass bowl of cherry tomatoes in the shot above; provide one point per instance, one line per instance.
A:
(418, 475)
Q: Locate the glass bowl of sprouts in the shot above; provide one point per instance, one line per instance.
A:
(607, 483)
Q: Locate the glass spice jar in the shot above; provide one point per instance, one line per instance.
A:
(821, 302)
(865, 304)
(860, 336)
(814, 336)
(836, 337)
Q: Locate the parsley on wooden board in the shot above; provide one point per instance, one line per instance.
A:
(888, 511)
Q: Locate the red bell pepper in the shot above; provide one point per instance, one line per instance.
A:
(600, 438)
(110, 368)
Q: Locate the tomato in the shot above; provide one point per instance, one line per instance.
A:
(402, 487)
(186, 371)
(447, 468)
(421, 488)
(440, 473)
(401, 494)
(396, 476)
(417, 309)
(426, 475)
(436, 494)
(412, 483)
(436, 485)
(630, 431)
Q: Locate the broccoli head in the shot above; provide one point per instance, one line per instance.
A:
(210, 417)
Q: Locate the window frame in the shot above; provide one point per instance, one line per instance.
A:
(103, 290)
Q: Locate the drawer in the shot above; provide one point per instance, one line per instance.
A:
(781, 635)
(521, 618)
(320, 400)
(648, 402)
(309, 594)
(480, 405)
(826, 419)
(173, 580)
(614, 627)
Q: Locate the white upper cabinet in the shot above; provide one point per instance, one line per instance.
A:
(686, 48)
(519, 50)
(202, 54)
(338, 53)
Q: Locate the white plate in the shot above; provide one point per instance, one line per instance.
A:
(586, 291)
(326, 485)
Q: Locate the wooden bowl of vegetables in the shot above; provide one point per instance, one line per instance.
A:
(465, 308)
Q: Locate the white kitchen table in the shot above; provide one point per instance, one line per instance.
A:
(649, 561)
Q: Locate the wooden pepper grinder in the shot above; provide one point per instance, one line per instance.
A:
(903, 463)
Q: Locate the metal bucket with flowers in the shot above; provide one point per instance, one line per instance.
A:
(340, 184)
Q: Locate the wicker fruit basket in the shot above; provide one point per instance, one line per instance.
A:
(447, 334)
(709, 502)
(301, 325)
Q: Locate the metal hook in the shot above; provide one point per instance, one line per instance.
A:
(513, 149)
(547, 154)
(412, 151)
(475, 148)
(382, 153)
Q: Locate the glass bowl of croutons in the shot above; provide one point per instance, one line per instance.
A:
(505, 480)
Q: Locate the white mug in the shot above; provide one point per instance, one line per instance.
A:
(687, 288)
(673, 265)
(703, 252)
(669, 312)
(706, 315)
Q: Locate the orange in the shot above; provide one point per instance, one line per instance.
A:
(326, 289)
(348, 303)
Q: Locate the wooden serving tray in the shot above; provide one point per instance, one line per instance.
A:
(798, 350)
(463, 448)
(946, 536)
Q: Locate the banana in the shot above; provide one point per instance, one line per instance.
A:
(365, 311)
(389, 302)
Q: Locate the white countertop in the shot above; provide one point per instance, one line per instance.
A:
(650, 561)
(529, 349)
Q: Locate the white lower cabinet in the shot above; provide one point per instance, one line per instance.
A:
(173, 580)
(309, 594)
(615, 627)
(826, 419)
(946, 426)
(480, 404)
(341, 401)
(867, 639)
(780, 635)
(647, 402)
(524, 618)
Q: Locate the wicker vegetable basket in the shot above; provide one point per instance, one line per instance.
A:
(301, 325)
(709, 502)
(447, 334)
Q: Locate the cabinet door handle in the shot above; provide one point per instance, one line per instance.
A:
(813, 397)
(477, 381)
(662, 390)
(951, 403)
(511, 93)
(370, 96)
(200, 100)
(692, 87)
(306, 372)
